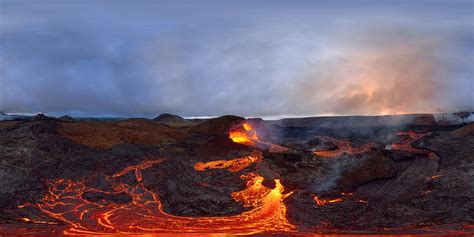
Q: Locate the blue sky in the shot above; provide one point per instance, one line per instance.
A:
(249, 58)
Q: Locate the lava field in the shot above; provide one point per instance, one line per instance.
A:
(410, 174)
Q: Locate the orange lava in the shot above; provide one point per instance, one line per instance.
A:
(137, 168)
(247, 135)
(247, 126)
(241, 137)
(233, 165)
(322, 202)
(26, 219)
(406, 144)
(343, 146)
(144, 214)
(347, 197)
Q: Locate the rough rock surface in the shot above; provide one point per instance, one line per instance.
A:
(132, 131)
(464, 131)
(379, 188)
(173, 120)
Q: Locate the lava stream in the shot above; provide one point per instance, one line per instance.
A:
(233, 165)
(343, 146)
(322, 202)
(145, 213)
(406, 144)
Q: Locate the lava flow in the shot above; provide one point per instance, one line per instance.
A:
(137, 168)
(343, 146)
(322, 202)
(144, 212)
(247, 135)
(233, 165)
(406, 144)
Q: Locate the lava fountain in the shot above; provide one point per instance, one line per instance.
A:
(246, 134)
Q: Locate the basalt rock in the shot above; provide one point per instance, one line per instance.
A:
(388, 186)
(220, 125)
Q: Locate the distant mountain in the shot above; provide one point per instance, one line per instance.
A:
(67, 118)
(172, 120)
(4, 116)
(9, 117)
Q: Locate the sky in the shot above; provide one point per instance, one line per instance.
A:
(247, 58)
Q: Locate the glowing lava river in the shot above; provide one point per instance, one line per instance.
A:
(145, 213)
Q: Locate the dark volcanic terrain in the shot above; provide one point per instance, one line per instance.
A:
(388, 174)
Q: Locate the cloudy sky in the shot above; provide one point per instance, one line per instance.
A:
(249, 58)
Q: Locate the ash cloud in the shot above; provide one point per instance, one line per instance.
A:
(252, 59)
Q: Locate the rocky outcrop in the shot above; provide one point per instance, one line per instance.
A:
(220, 125)
(464, 131)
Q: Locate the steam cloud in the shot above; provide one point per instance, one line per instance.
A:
(251, 59)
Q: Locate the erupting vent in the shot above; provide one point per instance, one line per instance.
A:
(246, 134)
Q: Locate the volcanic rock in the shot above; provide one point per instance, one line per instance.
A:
(172, 120)
(220, 125)
(427, 184)
(425, 120)
(464, 131)
(319, 144)
(6, 124)
(132, 131)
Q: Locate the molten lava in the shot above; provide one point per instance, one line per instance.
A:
(406, 144)
(241, 137)
(233, 165)
(343, 146)
(247, 126)
(144, 213)
(141, 211)
(247, 135)
(322, 202)
(137, 168)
